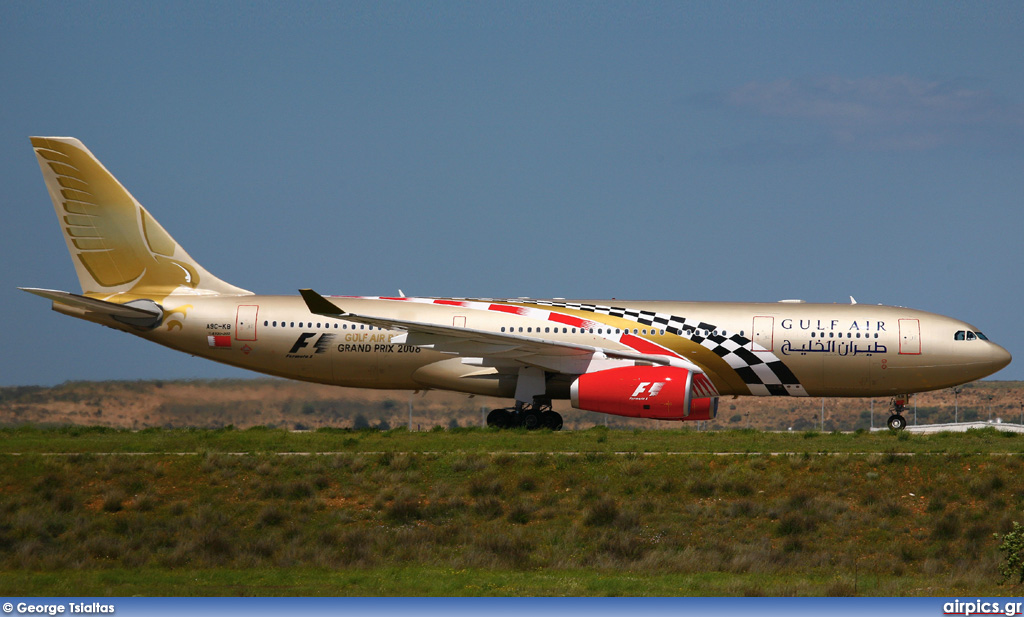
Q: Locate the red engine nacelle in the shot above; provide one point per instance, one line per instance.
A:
(661, 392)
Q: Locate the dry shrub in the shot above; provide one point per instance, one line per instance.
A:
(521, 512)
(601, 513)
(489, 507)
(113, 500)
(480, 487)
(404, 507)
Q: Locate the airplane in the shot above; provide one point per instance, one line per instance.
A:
(670, 361)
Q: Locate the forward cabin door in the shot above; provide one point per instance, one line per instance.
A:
(910, 337)
(245, 322)
(762, 333)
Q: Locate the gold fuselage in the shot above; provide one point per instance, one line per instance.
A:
(829, 349)
(135, 277)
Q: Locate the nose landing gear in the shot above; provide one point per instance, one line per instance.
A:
(896, 421)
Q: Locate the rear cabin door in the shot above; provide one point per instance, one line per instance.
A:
(245, 322)
(762, 333)
(910, 337)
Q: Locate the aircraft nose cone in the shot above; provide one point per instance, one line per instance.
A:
(997, 357)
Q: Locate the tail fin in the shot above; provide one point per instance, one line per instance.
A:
(119, 250)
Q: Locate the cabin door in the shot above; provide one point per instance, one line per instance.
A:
(910, 336)
(762, 338)
(245, 322)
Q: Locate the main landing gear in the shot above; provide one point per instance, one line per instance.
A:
(538, 415)
(896, 421)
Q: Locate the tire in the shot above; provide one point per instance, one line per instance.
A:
(531, 420)
(897, 422)
(552, 420)
(499, 418)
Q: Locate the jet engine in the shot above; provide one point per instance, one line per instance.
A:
(660, 392)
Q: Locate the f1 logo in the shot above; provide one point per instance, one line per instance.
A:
(301, 342)
(652, 388)
(320, 346)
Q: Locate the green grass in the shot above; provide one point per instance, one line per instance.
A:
(428, 581)
(76, 439)
(476, 512)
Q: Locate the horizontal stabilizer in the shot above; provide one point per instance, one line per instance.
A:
(96, 306)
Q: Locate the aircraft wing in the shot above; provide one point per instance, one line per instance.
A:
(493, 347)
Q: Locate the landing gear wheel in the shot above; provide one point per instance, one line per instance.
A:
(499, 418)
(897, 422)
(552, 420)
(531, 419)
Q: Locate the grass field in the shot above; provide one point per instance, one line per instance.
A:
(480, 512)
(79, 439)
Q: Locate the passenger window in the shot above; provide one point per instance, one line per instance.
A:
(959, 336)
(503, 328)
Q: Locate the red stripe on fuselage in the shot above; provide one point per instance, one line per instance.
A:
(643, 345)
(636, 343)
(568, 320)
(504, 308)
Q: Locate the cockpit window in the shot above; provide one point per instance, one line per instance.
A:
(981, 336)
(959, 336)
(970, 336)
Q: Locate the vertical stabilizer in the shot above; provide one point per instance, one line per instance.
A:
(119, 250)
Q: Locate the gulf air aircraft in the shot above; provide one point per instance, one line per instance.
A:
(662, 360)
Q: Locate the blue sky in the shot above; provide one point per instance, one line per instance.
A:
(740, 151)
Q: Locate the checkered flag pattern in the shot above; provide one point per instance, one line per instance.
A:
(762, 371)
